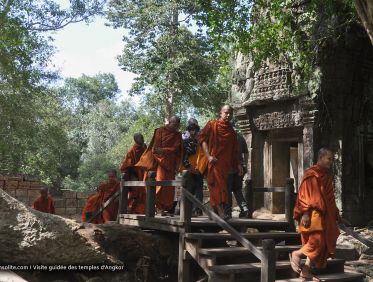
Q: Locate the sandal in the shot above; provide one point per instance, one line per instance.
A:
(295, 267)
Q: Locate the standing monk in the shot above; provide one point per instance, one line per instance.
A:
(317, 214)
(137, 195)
(106, 190)
(219, 142)
(44, 202)
(167, 148)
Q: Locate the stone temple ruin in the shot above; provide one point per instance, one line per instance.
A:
(284, 130)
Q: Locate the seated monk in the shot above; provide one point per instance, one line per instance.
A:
(317, 214)
(44, 202)
(137, 195)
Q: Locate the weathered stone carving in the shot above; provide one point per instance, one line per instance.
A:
(272, 84)
(275, 120)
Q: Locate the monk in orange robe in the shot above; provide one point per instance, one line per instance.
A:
(317, 215)
(137, 195)
(106, 190)
(44, 202)
(90, 208)
(167, 148)
(219, 142)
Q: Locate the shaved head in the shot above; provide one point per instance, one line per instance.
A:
(226, 107)
(174, 123)
(325, 158)
(44, 192)
(138, 138)
(226, 113)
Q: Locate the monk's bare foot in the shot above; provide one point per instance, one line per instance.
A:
(294, 264)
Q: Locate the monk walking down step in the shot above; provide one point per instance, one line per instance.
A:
(106, 190)
(317, 215)
(137, 195)
(219, 142)
(167, 148)
(44, 202)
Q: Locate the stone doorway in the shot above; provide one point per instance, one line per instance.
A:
(282, 159)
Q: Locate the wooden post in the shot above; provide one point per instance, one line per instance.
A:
(150, 196)
(249, 196)
(185, 217)
(123, 197)
(268, 271)
(289, 203)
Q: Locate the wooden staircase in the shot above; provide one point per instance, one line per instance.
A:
(222, 262)
(223, 250)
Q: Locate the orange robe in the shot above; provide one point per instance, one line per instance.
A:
(106, 190)
(91, 207)
(168, 164)
(137, 194)
(223, 145)
(316, 192)
(44, 205)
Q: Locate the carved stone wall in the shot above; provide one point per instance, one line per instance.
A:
(340, 118)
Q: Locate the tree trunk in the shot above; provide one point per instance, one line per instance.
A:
(364, 9)
(171, 77)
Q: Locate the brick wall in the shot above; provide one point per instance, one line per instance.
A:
(26, 189)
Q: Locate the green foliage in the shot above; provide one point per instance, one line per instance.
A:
(177, 69)
(285, 31)
(85, 92)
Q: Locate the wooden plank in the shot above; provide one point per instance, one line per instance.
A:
(269, 189)
(150, 183)
(226, 226)
(333, 277)
(150, 195)
(256, 235)
(157, 219)
(268, 271)
(151, 225)
(232, 251)
(256, 266)
(185, 218)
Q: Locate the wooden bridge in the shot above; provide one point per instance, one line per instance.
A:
(259, 256)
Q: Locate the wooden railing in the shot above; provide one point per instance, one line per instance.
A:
(266, 255)
(289, 196)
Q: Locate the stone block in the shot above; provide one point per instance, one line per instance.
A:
(82, 195)
(59, 203)
(15, 178)
(23, 200)
(70, 211)
(21, 193)
(24, 184)
(69, 194)
(11, 184)
(33, 193)
(71, 203)
(35, 184)
(60, 211)
(11, 192)
(81, 203)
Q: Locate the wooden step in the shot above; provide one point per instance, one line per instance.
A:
(231, 251)
(334, 277)
(256, 266)
(254, 235)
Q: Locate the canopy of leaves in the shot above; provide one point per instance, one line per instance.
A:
(285, 31)
(177, 69)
